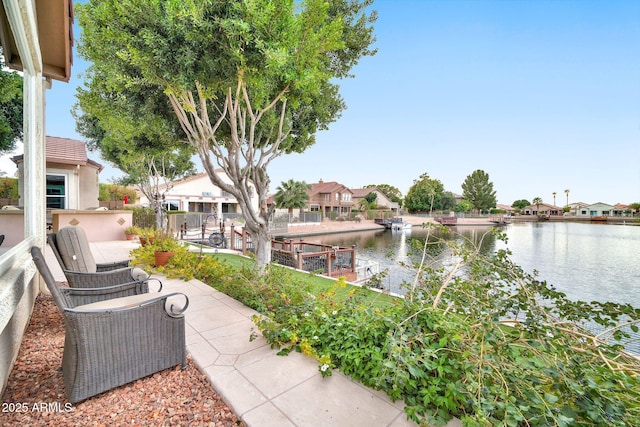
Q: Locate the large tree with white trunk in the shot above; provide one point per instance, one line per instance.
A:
(247, 80)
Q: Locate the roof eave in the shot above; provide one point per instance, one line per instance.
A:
(55, 36)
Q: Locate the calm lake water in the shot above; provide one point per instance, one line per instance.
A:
(586, 261)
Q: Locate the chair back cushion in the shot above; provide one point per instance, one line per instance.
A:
(74, 250)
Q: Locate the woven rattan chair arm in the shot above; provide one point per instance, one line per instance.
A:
(142, 276)
(107, 266)
(169, 307)
(81, 296)
(153, 279)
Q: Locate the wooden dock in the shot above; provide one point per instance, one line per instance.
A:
(447, 220)
(500, 219)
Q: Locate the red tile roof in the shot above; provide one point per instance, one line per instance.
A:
(363, 192)
(64, 151)
(326, 187)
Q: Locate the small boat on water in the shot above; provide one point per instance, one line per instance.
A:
(401, 226)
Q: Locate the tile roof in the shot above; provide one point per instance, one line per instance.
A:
(190, 178)
(504, 207)
(64, 151)
(326, 187)
(363, 192)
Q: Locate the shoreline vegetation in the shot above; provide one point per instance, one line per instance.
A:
(475, 346)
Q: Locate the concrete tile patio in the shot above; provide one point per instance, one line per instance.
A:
(262, 388)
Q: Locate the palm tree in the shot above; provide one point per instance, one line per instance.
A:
(537, 201)
(567, 193)
(292, 194)
(554, 198)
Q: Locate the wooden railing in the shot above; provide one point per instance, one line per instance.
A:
(332, 261)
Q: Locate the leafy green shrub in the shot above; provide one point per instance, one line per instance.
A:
(9, 188)
(184, 264)
(477, 338)
(108, 192)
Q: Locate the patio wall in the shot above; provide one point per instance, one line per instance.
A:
(12, 226)
(99, 225)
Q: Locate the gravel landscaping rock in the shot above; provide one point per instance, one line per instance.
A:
(35, 391)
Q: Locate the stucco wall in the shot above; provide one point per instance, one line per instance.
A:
(99, 225)
(18, 291)
(193, 189)
(89, 188)
(82, 184)
(12, 226)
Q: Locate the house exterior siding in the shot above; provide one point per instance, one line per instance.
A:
(331, 199)
(382, 200)
(198, 194)
(543, 209)
(67, 159)
(600, 209)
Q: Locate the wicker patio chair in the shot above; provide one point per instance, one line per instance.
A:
(71, 248)
(113, 341)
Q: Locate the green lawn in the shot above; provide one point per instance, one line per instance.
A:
(319, 284)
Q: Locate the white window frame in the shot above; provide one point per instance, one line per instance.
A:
(65, 196)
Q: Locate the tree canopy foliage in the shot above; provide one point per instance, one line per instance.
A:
(477, 189)
(133, 125)
(520, 204)
(463, 206)
(426, 195)
(247, 80)
(371, 197)
(9, 188)
(10, 108)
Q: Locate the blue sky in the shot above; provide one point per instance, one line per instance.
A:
(542, 95)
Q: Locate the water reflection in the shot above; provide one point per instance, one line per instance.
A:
(395, 251)
(590, 262)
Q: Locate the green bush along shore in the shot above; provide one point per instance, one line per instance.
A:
(475, 337)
